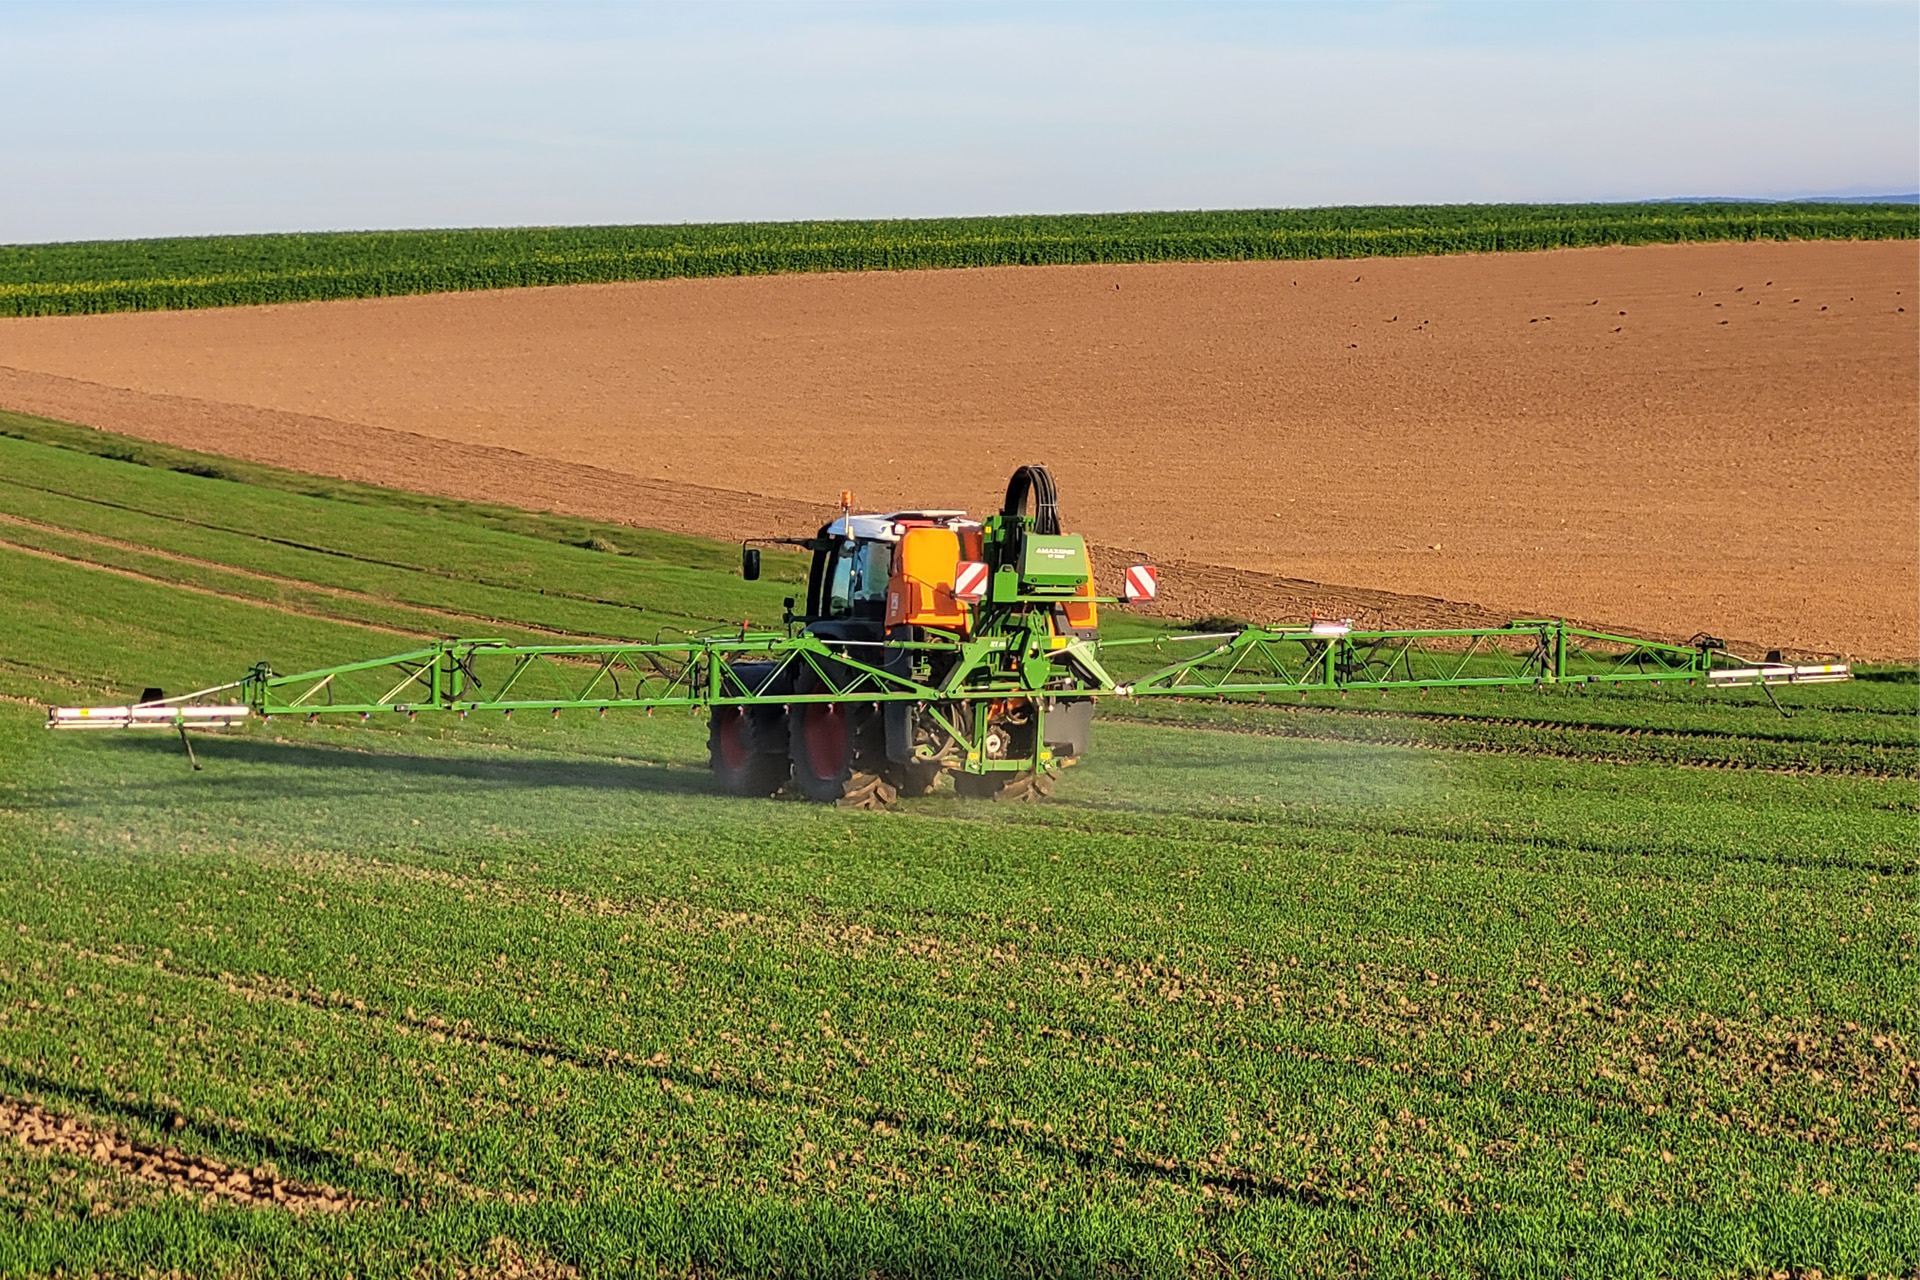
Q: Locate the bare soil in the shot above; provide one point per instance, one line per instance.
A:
(40, 1130)
(1667, 439)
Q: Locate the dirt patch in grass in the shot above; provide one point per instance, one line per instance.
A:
(507, 1259)
(40, 1130)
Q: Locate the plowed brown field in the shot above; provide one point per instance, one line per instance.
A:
(1721, 437)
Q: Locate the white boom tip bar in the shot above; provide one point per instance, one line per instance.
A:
(149, 716)
(1780, 673)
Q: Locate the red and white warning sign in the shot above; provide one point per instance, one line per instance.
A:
(1143, 583)
(969, 581)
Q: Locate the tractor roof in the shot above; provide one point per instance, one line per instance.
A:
(887, 528)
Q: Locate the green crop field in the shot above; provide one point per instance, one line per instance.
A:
(213, 271)
(1510, 983)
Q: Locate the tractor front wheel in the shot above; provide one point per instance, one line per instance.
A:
(738, 751)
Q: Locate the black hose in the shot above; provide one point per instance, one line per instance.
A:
(1037, 482)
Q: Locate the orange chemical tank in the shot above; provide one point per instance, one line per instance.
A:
(920, 593)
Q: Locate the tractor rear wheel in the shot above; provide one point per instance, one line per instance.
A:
(746, 751)
(839, 754)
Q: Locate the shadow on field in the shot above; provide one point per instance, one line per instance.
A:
(519, 771)
(1089, 1158)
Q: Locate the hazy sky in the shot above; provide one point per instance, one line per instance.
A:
(166, 118)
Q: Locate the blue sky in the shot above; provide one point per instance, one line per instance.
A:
(172, 118)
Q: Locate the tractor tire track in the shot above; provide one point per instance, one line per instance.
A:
(712, 1077)
(134, 575)
(426, 570)
(1742, 752)
(1416, 743)
(341, 593)
(1258, 832)
(1589, 726)
(1521, 722)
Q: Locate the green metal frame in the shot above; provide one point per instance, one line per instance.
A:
(1536, 651)
(1018, 663)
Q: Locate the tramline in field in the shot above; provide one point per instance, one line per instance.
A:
(931, 643)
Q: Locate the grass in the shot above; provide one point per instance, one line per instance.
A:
(211, 271)
(1242, 999)
(572, 531)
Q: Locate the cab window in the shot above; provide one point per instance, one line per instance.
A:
(857, 580)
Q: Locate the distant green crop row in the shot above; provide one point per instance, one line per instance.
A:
(215, 271)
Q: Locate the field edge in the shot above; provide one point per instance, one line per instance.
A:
(92, 277)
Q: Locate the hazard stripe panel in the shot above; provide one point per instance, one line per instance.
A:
(969, 581)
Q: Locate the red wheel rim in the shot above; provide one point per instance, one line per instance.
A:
(733, 738)
(826, 732)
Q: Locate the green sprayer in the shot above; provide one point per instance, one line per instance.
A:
(931, 644)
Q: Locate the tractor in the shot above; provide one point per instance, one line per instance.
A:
(926, 593)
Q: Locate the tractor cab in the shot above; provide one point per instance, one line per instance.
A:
(853, 564)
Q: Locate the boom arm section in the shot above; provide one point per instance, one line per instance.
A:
(1331, 657)
(767, 669)
(492, 675)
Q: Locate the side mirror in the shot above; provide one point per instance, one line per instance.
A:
(750, 563)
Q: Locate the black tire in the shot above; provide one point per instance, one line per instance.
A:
(737, 751)
(839, 754)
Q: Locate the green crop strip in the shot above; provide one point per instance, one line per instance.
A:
(1432, 984)
(447, 514)
(141, 275)
(1884, 746)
